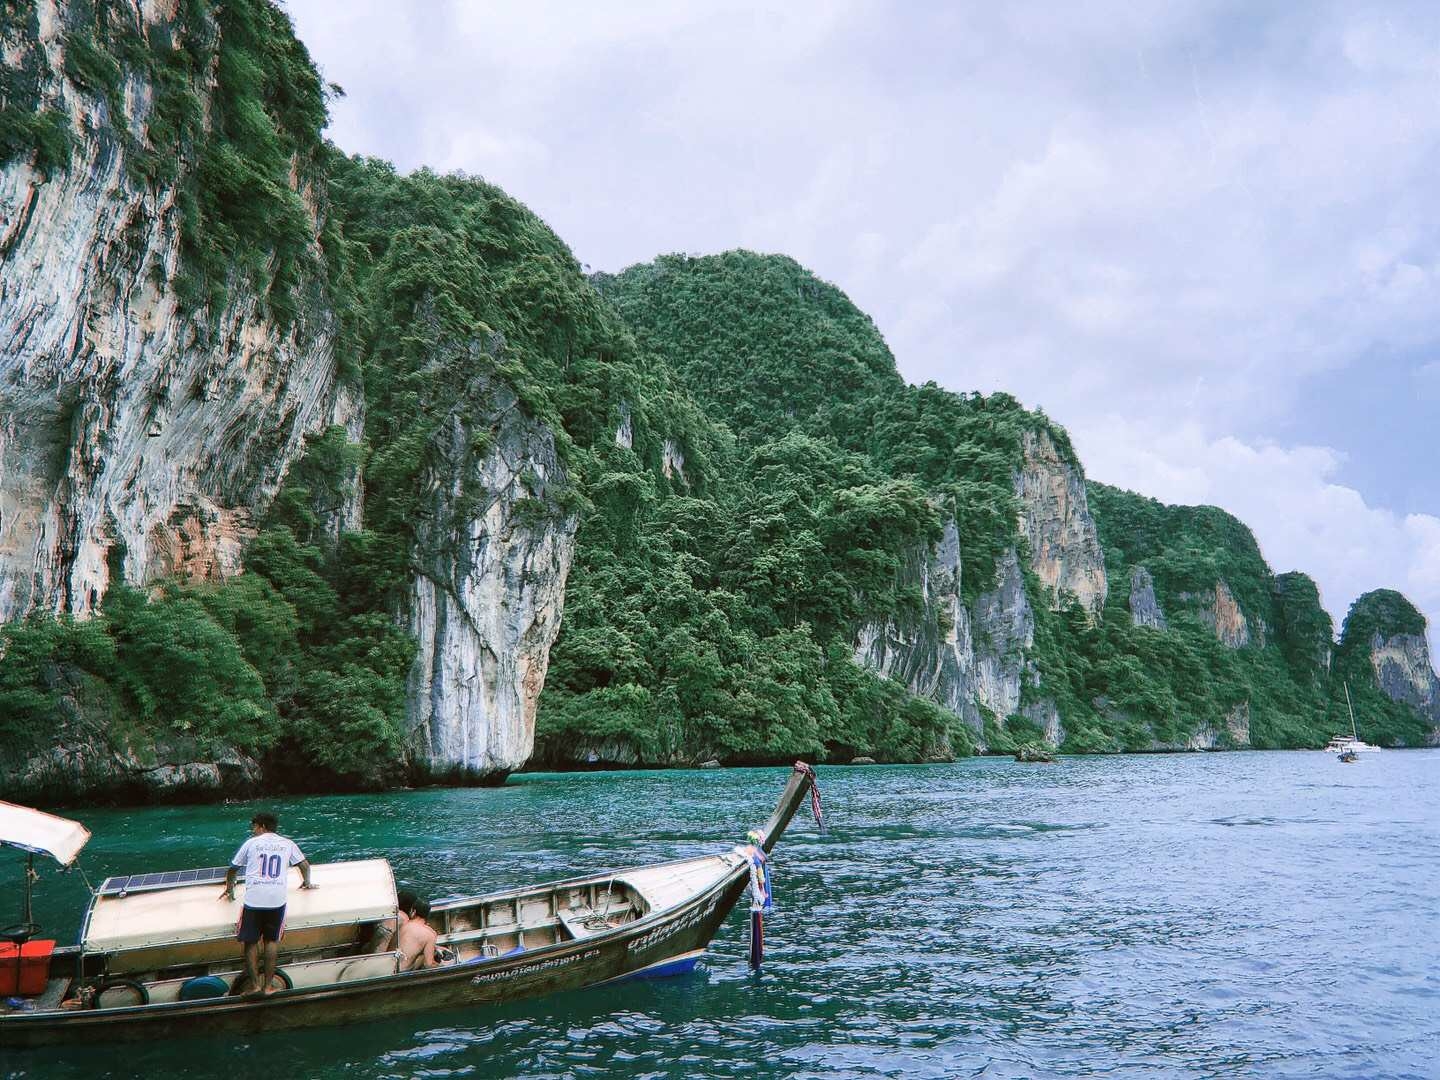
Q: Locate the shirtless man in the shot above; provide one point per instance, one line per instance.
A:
(416, 940)
(383, 940)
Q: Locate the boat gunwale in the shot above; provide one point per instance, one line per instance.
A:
(451, 902)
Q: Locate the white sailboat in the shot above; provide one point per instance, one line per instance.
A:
(1352, 743)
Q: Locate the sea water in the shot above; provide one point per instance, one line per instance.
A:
(1195, 915)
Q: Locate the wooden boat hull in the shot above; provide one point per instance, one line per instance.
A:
(668, 942)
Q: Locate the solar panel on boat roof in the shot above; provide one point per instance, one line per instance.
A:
(170, 879)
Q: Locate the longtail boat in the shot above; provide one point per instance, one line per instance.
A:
(151, 943)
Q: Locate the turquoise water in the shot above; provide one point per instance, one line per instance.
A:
(1180, 916)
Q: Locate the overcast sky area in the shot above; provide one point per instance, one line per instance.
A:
(1205, 237)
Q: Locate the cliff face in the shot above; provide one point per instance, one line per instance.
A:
(133, 437)
(1004, 627)
(1219, 610)
(492, 557)
(959, 660)
(145, 430)
(976, 657)
(1055, 521)
(1304, 630)
(1405, 673)
(1144, 607)
(933, 655)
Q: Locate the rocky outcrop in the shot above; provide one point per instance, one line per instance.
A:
(963, 660)
(86, 761)
(1144, 607)
(1384, 646)
(932, 655)
(1044, 715)
(1404, 672)
(164, 771)
(1237, 725)
(1233, 733)
(1220, 611)
(672, 462)
(625, 429)
(1055, 521)
(133, 437)
(492, 555)
(1004, 628)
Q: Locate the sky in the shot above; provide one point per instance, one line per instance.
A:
(1204, 237)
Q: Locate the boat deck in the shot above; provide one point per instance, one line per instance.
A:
(670, 883)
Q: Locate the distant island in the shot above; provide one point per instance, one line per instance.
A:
(315, 476)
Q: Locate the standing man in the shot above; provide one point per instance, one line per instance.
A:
(266, 858)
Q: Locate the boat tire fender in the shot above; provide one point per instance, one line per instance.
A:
(203, 988)
(121, 988)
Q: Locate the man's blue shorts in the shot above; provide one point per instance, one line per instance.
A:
(260, 922)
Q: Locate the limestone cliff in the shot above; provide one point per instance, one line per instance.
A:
(932, 655)
(962, 661)
(1303, 628)
(1218, 609)
(1055, 521)
(491, 558)
(1405, 673)
(1004, 627)
(1233, 733)
(1144, 607)
(134, 436)
(145, 429)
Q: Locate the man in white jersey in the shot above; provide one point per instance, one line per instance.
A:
(266, 859)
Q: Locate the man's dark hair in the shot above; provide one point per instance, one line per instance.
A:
(422, 909)
(405, 901)
(268, 822)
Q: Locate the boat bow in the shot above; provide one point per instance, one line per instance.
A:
(802, 783)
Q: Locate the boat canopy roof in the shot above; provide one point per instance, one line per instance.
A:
(344, 893)
(41, 833)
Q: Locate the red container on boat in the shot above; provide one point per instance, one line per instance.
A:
(25, 969)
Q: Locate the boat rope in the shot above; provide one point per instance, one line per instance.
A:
(816, 808)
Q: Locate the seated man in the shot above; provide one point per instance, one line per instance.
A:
(416, 940)
(383, 939)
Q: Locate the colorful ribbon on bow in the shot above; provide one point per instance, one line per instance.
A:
(815, 808)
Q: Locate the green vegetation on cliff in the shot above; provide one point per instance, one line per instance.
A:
(719, 624)
(1132, 684)
(768, 348)
(761, 340)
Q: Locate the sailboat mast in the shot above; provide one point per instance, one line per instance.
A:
(1351, 709)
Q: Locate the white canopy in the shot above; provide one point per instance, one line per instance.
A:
(345, 894)
(44, 834)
